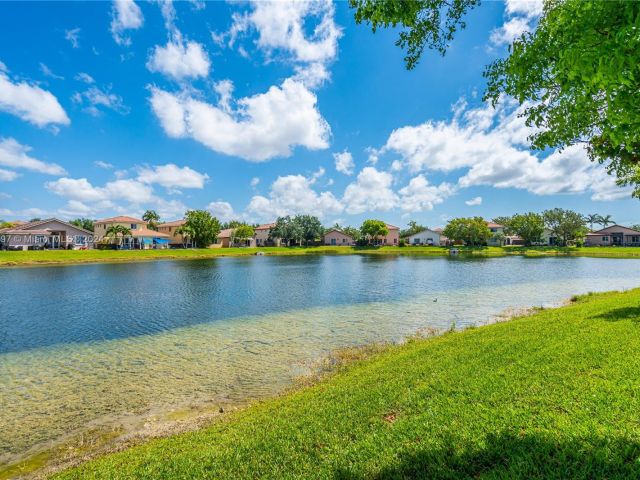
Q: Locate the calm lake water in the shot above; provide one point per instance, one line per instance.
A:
(88, 346)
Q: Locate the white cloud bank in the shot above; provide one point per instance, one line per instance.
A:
(15, 155)
(262, 126)
(125, 15)
(520, 17)
(344, 162)
(30, 103)
(180, 60)
(172, 177)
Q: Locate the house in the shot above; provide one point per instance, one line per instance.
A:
(263, 236)
(616, 235)
(496, 230)
(141, 237)
(338, 238)
(444, 240)
(49, 233)
(225, 239)
(175, 239)
(391, 238)
(425, 237)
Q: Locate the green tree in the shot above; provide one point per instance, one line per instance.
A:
(472, 231)
(606, 220)
(353, 232)
(36, 219)
(152, 219)
(309, 227)
(577, 75)
(5, 224)
(187, 234)
(243, 232)
(636, 227)
(566, 225)
(413, 227)
(529, 226)
(592, 219)
(204, 227)
(117, 232)
(85, 223)
(283, 229)
(232, 224)
(504, 221)
(372, 230)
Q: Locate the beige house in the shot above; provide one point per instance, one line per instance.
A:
(393, 237)
(616, 235)
(50, 233)
(425, 237)
(226, 239)
(175, 239)
(263, 236)
(338, 238)
(141, 237)
(495, 229)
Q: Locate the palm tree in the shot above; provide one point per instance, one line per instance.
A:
(152, 219)
(187, 234)
(606, 221)
(115, 230)
(591, 219)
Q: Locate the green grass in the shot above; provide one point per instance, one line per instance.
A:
(55, 257)
(552, 395)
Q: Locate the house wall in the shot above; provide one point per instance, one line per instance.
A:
(262, 238)
(425, 237)
(340, 238)
(492, 241)
(393, 237)
(100, 228)
(610, 235)
(174, 238)
(69, 235)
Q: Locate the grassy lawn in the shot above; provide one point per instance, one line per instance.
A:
(552, 395)
(91, 256)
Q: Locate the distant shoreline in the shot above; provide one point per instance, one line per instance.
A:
(78, 257)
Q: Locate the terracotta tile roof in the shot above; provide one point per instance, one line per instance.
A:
(226, 233)
(145, 232)
(30, 225)
(266, 226)
(339, 231)
(175, 223)
(121, 219)
(494, 225)
(26, 232)
(392, 227)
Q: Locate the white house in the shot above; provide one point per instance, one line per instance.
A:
(425, 237)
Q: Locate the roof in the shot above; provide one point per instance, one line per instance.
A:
(266, 226)
(29, 225)
(26, 232)
(438, 230)
(392, 227)
(120, 219)
(145, 232)
(425, 230)
(494, 225)
(226, 233)
(175, 223)
(613, 226)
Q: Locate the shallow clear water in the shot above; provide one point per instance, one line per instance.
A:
(88, 345)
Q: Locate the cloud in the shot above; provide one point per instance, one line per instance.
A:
(104, 165)
(171, 176)
(30, 103)
(15, 155)
(180, 60)
(262, 126)
(370, 192)
(49, 73)
(223, 211)
(344, 162)
(294, 195)
(125, 15)
(490, 147)
(95, 97)
(520, 17)
(255, 181)
(7, 175)
(84, 77)
(72, 36)
(420, 196)
(122, 190)
(474, 201)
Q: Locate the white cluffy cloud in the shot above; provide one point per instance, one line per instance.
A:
(344, 162)
(180, 60)
(16, 155)
(223, 211)
(72, 36)
(474, 201)
(520, 17)
(125, 15)
(94, 98)
(420, 196)
(30, 102)
(172, 177)
(294, 195)
(371, 192)
(490, 146)
(262, 126)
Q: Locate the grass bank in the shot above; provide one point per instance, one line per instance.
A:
(61, 257)
(551, 395)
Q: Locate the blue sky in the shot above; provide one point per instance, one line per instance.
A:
(255, 110)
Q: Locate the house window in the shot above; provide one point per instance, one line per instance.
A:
(605, 239)
(635, 239)
(395, 240)
(134, 226)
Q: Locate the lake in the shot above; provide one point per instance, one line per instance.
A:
(113, 345)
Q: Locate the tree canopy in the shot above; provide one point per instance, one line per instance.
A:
(373, 229)
(528, 226)
(152, 218)
(85, 223)
(471, 231)
(566, 225)
(204, 227)
(243, 232)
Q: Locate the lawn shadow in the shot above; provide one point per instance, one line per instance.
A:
(618, 314)
(511, 456)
